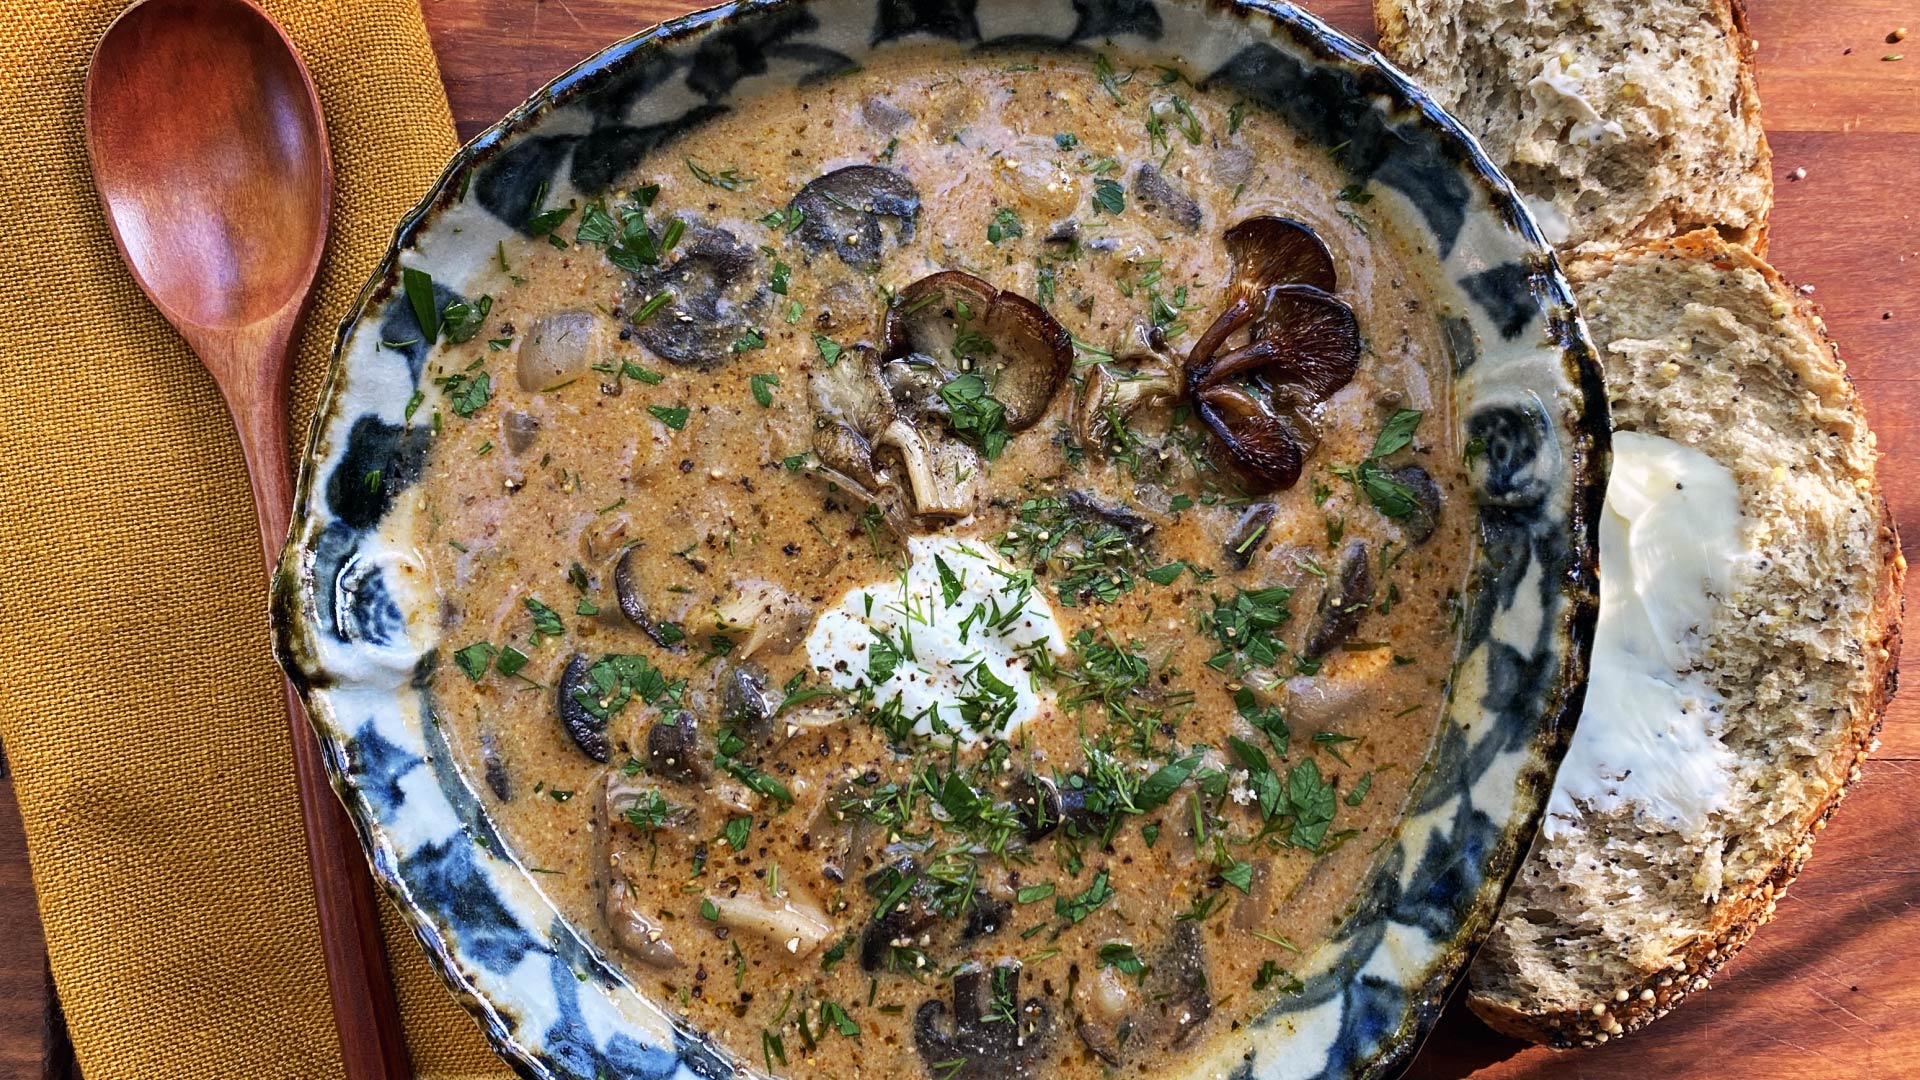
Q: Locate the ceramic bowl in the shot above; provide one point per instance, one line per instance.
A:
(359, 636)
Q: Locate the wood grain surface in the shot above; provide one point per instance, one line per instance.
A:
(1830, 990)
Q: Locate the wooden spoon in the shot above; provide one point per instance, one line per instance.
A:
(210, 157)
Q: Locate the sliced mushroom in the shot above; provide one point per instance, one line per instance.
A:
(630, 593)
(988, 915)
(1244, 539)
(963, 324)
(642, 936)
(994, 1035)
(717, 290)
(676, 751)
(1267, 450)
(747, 701)
(499, 780)
(518, 430)
(576, 695)
(1185, 1001)
(843, 211)
(792, 922)
(769, 617)
(557, 348)
(1036, 805)
(1425, 518)
(1342, 603)
(851, 407)
(838, 833)
(1113, 1020)
(889, 940)
(1157, 195)
(1301, 346)
(1088, 508)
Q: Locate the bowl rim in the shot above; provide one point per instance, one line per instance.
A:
(1587, 465)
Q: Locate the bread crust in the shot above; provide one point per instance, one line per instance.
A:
(1628, 1008)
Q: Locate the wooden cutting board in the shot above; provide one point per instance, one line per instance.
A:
(1829, 989)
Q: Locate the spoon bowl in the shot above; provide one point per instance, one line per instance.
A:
(211, 158)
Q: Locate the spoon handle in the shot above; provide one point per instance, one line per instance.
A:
(365, 1012)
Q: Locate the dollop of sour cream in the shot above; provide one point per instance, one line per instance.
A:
(950, 640)
(1672, 543)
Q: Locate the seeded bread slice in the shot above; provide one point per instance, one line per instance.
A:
(1619, 120)
(1615, 921)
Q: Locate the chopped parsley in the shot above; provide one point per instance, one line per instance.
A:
(974, 414)
(762, 386)
(674, 416)
(1004, 226)
(725, 179)
(475, 659)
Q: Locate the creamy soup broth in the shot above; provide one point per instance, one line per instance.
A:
(1060, 779)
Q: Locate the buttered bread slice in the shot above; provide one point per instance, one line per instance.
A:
(1747, 646)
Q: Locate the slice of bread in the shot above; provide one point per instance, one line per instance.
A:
(1619, 120)
(1619, 916)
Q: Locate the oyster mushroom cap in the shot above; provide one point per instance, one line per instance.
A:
(1022, 352)
(1266, 450)
(1269, 251)
(1302, 346)
(1265, 252)
(842, 211)
(1302, 338)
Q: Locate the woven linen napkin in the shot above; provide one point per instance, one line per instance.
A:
(139, 702)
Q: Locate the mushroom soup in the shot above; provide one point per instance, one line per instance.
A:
(948, 571)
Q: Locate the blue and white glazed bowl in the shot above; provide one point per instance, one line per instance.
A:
(357, 632)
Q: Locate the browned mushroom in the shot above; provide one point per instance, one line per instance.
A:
(1282, 345)
(993, 1035)
(958, 324)
(1342, 603)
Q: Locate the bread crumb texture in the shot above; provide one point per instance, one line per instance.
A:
(1618, 120)
(1611, 924)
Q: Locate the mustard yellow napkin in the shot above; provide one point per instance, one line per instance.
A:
(139, 702)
